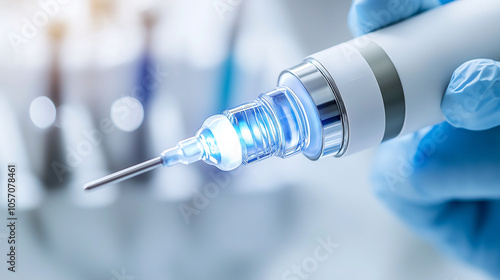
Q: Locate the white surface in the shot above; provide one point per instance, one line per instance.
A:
(426, 50)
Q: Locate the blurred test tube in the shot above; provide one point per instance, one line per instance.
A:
(54, 154)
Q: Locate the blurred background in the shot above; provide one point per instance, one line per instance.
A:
(88, 87)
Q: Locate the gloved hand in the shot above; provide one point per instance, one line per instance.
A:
(444, 181)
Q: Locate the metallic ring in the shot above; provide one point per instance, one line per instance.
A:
(340, 104)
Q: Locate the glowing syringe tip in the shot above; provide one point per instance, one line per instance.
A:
(216, 143)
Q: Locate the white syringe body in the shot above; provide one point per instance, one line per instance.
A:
(391, 82)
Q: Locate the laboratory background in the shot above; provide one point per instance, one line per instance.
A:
(88, 87)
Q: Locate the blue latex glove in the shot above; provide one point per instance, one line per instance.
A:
(445, 181)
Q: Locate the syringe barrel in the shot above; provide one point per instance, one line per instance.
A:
(275, 124)
(391, 82)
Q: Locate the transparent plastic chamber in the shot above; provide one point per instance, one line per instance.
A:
(277, 123)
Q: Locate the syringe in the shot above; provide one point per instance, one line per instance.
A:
(274, 124)
(347, 98)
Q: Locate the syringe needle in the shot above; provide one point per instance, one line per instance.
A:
(216, 143)
(187, 151)
(125, 173)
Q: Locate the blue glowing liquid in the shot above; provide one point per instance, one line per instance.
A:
(256, 130)
(207, 138)
(273, 125)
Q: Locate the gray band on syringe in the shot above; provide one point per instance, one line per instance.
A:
(390, 86)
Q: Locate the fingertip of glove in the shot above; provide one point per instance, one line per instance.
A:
(367, 15)
(356, 22)
(472, 99)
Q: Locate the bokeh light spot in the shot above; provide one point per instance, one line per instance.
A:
(42, 112)
(127, 113)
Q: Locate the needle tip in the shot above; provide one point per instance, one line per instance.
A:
(94, 184)
(87, 187)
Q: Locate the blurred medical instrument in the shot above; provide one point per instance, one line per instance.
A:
(54, 141)
(347, 98)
